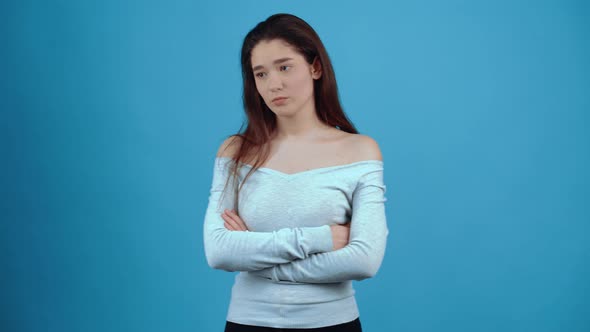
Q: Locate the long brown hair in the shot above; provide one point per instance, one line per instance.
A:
(253, 148)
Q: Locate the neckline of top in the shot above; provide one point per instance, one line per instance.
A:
(311, 170)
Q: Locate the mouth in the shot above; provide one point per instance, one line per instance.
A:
(278, 99)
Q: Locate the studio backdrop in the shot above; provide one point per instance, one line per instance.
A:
(112, 113)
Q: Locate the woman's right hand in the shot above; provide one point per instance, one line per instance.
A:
(340, 234)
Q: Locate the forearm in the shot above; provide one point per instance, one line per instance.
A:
(250, 251)
(357, 261)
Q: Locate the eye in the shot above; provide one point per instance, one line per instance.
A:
(285, 67)
(260, 74)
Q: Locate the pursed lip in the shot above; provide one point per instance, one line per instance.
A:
(278, 98)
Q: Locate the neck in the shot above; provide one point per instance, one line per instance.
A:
(303, 124)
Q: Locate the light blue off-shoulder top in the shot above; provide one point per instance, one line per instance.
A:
(289, 275)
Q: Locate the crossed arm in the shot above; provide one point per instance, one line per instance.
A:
(250, 251)
(308, 254)
(358, 260)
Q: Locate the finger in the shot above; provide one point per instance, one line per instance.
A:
(238, 220)
(227, 224)
(234, 225)
(229, 227)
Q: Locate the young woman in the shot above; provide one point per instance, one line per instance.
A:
(297, 199)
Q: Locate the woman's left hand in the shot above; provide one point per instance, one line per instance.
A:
(233, 222)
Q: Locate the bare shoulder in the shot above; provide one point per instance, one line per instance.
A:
(230, 147)
(365, 148)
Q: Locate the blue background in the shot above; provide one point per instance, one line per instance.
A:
(112, 112)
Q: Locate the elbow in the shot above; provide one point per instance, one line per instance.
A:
(218, 261)
(367, 262)
(215, 263)
(217, 256)
(213, 260)
(368, 256)
(366, 268)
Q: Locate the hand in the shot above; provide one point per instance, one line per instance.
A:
(340, 234)
(232, 221)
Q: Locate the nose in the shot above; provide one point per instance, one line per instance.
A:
(274, 82)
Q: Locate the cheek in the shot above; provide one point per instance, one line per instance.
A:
(303, 84)
(259, 89)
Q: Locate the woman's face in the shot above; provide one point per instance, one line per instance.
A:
(283, 78)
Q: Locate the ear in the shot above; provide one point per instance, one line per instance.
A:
(316, 69)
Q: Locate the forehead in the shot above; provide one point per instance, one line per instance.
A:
(267, 51)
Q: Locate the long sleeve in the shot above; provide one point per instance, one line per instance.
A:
(363, 255)
(250, 251)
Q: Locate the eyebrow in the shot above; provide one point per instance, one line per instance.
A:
(281, 60)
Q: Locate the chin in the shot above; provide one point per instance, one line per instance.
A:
(282, 111)
(285, 112)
